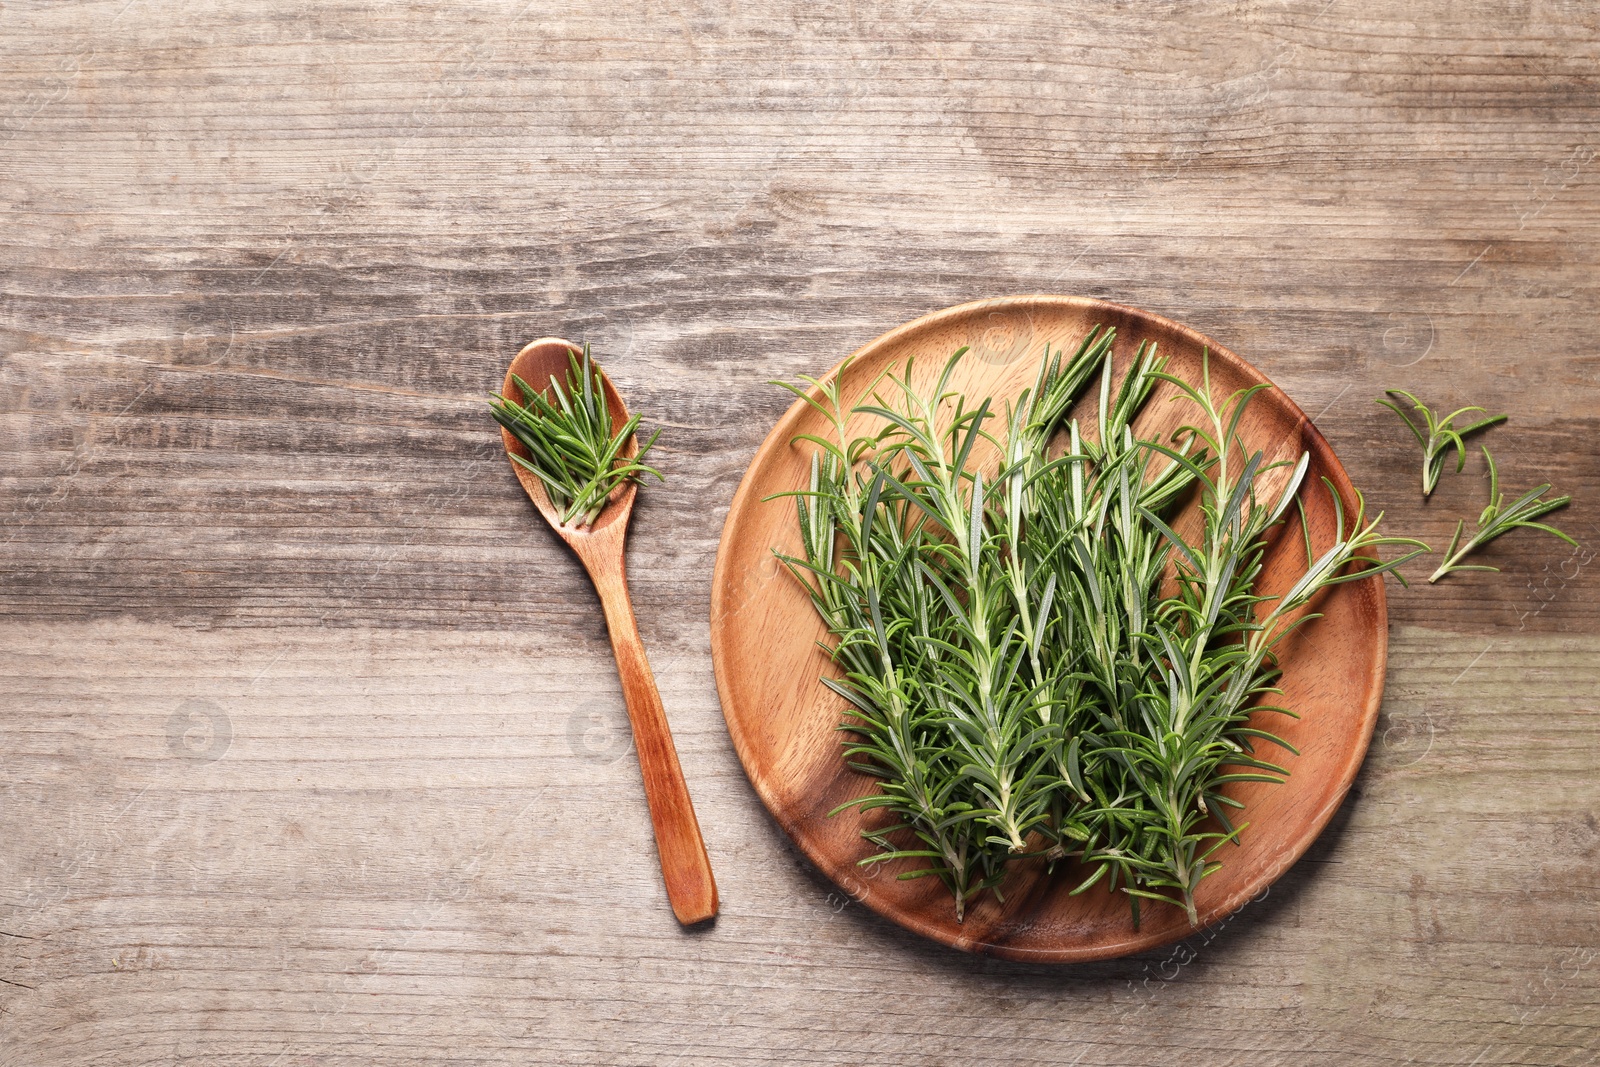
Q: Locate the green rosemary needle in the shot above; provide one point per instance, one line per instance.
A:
(1497, 519)
(1442, 435)
(572, 447)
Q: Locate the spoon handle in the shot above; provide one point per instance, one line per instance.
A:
(684, 865)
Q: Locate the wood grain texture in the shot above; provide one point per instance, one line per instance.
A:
(272, 794)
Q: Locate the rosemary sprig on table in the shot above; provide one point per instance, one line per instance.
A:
(1442, 435)
(1019, 678)
(1497, 519)
(572, 447)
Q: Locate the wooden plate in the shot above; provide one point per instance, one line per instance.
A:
(764, 636)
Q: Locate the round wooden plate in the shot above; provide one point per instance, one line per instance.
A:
(764, 636)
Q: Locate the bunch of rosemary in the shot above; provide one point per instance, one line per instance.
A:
(1035, 662)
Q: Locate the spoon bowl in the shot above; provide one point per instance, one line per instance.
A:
(539, 362)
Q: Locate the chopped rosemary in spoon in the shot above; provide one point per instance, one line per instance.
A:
(1497, 519)
(1035, 662)
(1442, 435)
(572, 447)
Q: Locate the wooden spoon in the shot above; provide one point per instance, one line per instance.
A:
(684, 865)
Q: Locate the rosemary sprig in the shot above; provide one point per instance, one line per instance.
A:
(1497, 519)
(1216, 637)
(572, 447)
(1017, 679)
(1442, 435)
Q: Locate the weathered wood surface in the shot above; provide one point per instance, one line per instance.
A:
(313, 750)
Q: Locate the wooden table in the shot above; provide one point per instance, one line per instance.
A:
(313, 750)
